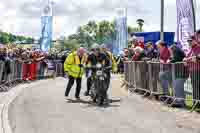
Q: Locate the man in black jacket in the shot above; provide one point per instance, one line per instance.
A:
(96, 56)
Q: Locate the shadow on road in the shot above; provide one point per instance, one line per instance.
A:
(103, 106)
(92, 104)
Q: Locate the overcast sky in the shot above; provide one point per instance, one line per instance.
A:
(22, 17)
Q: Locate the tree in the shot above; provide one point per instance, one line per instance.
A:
(71, 44)
(4, 38)
(94, 32)
(29, 40)
(7, 38)
(133, 29)
(140, 23)
(12, 38)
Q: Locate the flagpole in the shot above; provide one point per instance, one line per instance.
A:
(162, 20)
(194, 13)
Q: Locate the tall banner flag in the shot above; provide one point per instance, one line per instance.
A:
(46, 20)
(185, 22)
(121, 31)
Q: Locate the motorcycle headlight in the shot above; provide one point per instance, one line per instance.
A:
(98, 65)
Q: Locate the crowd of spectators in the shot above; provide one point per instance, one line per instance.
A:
(165, 55)
(31, 63)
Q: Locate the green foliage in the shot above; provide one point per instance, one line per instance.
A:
(133, 29)
(6, 38)
(71, 44)
(93, 32)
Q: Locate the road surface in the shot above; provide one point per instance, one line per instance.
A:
(43, 109)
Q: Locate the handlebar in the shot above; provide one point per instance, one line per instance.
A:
(94, 67)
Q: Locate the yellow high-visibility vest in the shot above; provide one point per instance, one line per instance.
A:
(71, 65)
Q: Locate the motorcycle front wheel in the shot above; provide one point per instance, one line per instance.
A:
(100, 101)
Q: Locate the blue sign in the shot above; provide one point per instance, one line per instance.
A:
(121, 32)
(155, 36)
(47, 21)
(46, 33)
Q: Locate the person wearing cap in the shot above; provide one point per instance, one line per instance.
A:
(150, 51)
(74, 68)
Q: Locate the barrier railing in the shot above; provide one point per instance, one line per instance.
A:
(15, 72)
(175, 82)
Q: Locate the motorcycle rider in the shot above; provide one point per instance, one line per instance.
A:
(91, 60)
(112, 61)
(97, 56)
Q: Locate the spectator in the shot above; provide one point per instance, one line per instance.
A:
(139, 44)
(120, 62)
(126, 55)
(198, 37)
(6, 66)
(163, 51)
(51, 65)
(139, 54)
(181, 74)
(26, 58)
(150, 51)
(133, 41)
(194, 67)
(40, 64)
(164, 74)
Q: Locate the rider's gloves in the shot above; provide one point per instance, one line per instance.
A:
(80, 65)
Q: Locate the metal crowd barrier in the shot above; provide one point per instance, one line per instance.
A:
(59, 69)
(15, 72)
(176, 81)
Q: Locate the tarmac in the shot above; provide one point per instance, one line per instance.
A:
(41, 107)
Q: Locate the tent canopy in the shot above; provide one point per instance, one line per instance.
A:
(155, 36)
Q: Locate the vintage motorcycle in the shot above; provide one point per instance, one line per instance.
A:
(100, 84)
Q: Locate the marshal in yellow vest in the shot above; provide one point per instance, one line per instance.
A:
(71, 65)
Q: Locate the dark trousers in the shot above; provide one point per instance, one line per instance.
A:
(89, 83)
(71, 83)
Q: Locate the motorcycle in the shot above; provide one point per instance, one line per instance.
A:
(99, 87)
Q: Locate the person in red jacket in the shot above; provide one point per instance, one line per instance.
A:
(139, 54)
(193, 63)
(140, 44)
(164, 52)
(164, 75)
